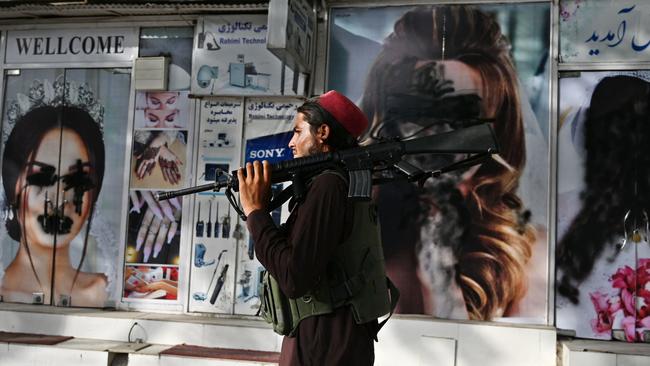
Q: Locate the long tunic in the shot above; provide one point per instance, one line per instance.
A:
(297, 255)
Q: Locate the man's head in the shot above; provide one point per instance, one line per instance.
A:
(326, 123)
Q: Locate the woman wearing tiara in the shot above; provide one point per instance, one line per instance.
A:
(50, 196)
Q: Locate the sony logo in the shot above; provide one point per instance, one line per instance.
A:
(266, 153)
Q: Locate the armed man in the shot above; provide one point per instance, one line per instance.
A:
(326, 283)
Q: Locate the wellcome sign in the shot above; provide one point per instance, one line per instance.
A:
(71, 45)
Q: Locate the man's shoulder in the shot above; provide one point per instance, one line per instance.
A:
(331, 177)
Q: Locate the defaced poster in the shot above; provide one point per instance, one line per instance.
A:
(217, 229)
(603, 250)
(230, 58)
(63, 150)
(473, 243)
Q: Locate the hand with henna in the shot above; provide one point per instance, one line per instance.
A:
(169, 165)
(146, 160)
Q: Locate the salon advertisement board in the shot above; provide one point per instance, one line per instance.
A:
(268, 128)
(217, 230)
(77, 229)
(36, 46)
(230, 58)
(603, 261)
(410, 83)
(604, 31)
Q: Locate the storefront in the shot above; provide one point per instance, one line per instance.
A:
(86, 149)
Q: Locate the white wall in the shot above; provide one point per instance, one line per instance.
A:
(403, 341)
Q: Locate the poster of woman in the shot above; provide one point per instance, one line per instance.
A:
(603, 251)
(59, 208)
(471, 244)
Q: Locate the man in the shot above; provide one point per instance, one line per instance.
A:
(327, 256)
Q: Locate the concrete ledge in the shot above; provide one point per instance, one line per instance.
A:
(405, 340)
(152, 328)
(587, 352)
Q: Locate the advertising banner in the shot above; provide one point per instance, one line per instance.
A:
(230, 58)
(603, 252)
(268, 130)
(217, 229)
(473, 243)
(63, 150)
(604, 31)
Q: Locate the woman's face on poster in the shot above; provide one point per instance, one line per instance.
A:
(32, 203)
(161, 118)
(436, 80)
(162, 100)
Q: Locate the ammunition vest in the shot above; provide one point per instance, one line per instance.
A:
(355, 277)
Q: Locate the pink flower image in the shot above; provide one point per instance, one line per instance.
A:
(628, 306)
(629, 325)
(603, 321)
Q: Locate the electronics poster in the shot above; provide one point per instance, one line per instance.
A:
(267, 132)
(45, 147)
(216, 228)
(231, 58)
(603, 253)
(385, 59)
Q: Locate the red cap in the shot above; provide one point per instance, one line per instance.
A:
(345, 112)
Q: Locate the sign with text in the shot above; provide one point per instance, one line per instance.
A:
(604, 31)
(67, 45)
(230, 58)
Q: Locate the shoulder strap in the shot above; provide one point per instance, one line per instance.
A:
(394, 297)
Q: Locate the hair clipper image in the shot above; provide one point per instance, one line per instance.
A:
(208, 226)
(219, 285)
(198, 230)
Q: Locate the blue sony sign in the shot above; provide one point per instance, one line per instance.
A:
(272, 148)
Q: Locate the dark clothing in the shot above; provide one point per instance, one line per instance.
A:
(297, 256)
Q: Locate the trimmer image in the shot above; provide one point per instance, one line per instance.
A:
(217, 225)
(199, 224)
(219, 285)
(201, 296)
(225, 226)
(208, 228)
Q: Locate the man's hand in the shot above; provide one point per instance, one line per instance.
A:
(255, 187)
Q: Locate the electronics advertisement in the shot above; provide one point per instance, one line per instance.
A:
(230, 58)
(603, 252)
(217, 229)
(267, 132)
(63, 151)
(410, 83)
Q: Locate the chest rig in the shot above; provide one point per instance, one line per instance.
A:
(355, 277)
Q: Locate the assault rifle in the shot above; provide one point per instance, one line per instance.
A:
(367, 165)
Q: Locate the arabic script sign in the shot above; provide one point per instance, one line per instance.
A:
(604, 31)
